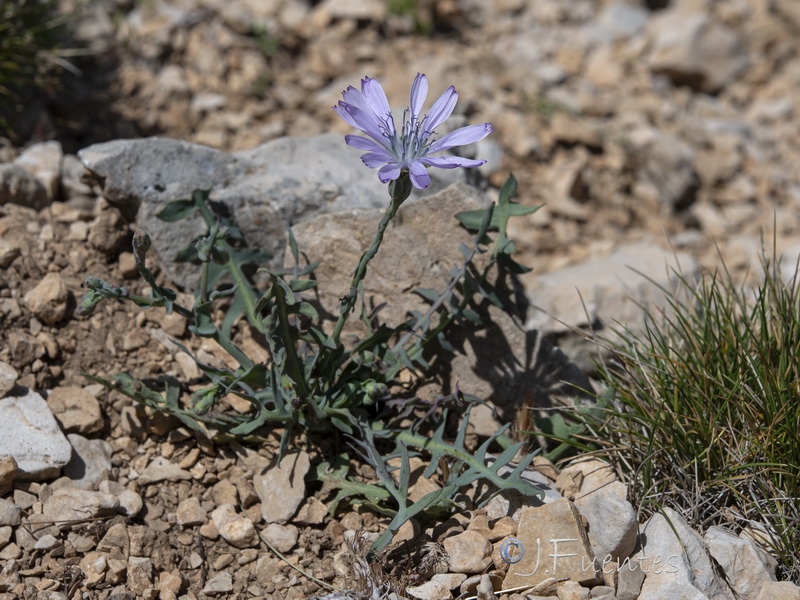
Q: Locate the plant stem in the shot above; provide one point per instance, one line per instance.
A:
(399, 190)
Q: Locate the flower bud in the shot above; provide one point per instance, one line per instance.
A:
(141, 243)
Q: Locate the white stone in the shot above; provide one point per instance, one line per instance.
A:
(775, 590)
(160, 469)
(469, 552)
(430, 590)
(48, 299)
(44, 161)
(190, 512)
(90, 463)
(572, 590)
(70, 504)
(235, 529)
(282, 488)
(75, 409)
(10, 513)
(29, 433)
(613, 526)
(677, 566)
(221, 583)
(747, 567)
(282, 537)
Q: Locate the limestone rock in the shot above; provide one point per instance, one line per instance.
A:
(282, 488)
(469, 552)
(48, 300)
(44, 161)
(630, 577)
(160, 469)
(511, 502)
(500, 362)
(221, 583)
(235, 529)
(29, 434)
(10, 513)
(140, 575)
(283, 537)
(554, 543)
(19, 186)
(267, 189)
(783, 590)
(693, 49)
(747, 567)
(190, 512)
(313, 512)
(613, 526)
(608, 289)
(595, 474)
(430, 590)
(8, 378)
(75, 409)
(572, 590)
(8, 472)
(677, 566)
(70, 504)
(108, 231)
(90, 463)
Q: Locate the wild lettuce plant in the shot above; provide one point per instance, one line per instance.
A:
(315, 383)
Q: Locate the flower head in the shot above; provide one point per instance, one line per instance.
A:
(410, 147)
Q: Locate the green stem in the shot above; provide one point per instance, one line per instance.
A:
(399, 190)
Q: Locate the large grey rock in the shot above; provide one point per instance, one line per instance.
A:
(499, 362)
(676, 562)
(747, 567)
(267, 189)
(29, 433)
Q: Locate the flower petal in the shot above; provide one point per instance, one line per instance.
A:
(362, 143)
(419, 175)
(366, 122)
(419, 91)
(451, 162)
(377, 102)
(376, 159)
(389, 172)
(461, 137)
(353, 96)
(441, 109)
(342, 112)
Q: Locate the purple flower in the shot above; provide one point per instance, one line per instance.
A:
(412, 145)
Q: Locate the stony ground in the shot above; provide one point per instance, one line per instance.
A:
(677, 125)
